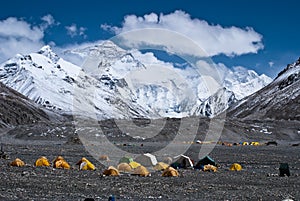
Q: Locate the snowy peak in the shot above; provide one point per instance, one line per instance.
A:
(47, 52)
(244, 82)
(112, 61)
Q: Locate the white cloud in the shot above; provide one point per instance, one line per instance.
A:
(73, 30)
(48, 21)
(15, 28)
(213, 39)
(271, 63)
(18, 36)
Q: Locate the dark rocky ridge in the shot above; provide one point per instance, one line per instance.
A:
(16, 109)
(280, 100)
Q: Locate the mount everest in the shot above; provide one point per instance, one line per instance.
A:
(122, 84)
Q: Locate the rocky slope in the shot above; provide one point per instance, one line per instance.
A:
(16, 109)
(280, 100)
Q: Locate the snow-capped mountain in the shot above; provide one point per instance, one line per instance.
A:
(60, 85)
(279, 100)
(244, 82)
(167, 90)
(153, 84)
(118, 83)
(216, 103)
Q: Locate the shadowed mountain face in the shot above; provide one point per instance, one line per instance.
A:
(280, 100)
(16, 109)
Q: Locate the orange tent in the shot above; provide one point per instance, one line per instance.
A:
(208, 168)
(170, 172)
(111, 171)
(17, 162)
(141, 171)
(60, 162)
(42, 161)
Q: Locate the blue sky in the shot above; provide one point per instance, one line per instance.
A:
(75, 23)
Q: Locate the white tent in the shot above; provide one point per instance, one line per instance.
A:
(146, 160)
(182, 161)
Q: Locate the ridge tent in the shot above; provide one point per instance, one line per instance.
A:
(205, 161)
(182, 161)
(146, 160)
(126, 160)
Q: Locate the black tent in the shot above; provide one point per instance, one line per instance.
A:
(204, 161)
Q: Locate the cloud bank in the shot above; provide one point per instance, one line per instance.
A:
(213, 39)
(18, 36)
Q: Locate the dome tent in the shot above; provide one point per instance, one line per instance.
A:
(147, 160)
(235, 167)
(125, 159)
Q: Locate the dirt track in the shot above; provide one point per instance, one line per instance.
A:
(254, 182)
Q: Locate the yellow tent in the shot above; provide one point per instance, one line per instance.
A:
(85, 164)
(245, 143)
(124, 167)
(160, 166)
(17, 162)
(170, 172)
(134, 164)
(60, 162)
(235, 167)
(208, 168)
(42, 161)
(141, 171)
(255, 143)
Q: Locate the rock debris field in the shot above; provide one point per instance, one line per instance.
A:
(258, 180)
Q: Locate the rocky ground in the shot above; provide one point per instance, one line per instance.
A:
(258, 180)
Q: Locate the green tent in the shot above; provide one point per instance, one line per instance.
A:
(205, 161)
(126, 159)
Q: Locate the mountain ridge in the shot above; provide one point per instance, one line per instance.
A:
(56, 84)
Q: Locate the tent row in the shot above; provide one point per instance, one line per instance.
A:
(58, 162)
(240, 144)
(139, 166)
